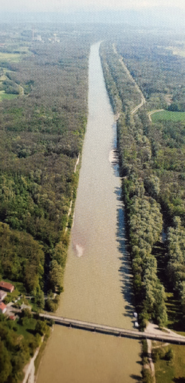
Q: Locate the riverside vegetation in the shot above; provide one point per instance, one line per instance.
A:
(43, 84)
(43, 89)
(152, 158)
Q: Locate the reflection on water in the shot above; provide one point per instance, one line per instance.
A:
(97, 277)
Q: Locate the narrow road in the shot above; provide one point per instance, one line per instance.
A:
(30, 369)
(152, 112)
(21, 90)
(152, 367)
(143, 100)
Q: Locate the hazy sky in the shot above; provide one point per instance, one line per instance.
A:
(61, 5)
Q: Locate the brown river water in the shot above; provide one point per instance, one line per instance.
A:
(97, 283)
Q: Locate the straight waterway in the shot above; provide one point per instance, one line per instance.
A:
(97, 277)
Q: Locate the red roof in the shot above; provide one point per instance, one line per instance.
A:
(2, 306)
(6, 285)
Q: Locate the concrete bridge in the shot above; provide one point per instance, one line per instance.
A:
(134, 334)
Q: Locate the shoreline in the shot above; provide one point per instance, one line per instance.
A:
(29, 369)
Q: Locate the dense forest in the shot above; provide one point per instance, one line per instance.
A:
(43, 113)
(152, 164)
(152, 156)
(41, 137)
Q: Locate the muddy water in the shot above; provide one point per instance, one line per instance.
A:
(97, 277)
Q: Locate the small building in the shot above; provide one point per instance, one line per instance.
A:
(6, 286)
(3, 295)
(2, 308)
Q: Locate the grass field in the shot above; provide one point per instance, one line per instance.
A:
(5, 96)
(179, 51)
(168, 372)
(172, 116)
(11, 57)
(28, 327)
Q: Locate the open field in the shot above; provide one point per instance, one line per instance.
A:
(12, 57)
(166, 116)
(179, 51)
(174, 371)
(5, 96)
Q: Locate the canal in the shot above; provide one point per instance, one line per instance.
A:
(97, 283)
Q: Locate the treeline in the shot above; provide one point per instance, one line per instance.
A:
(16, 349)
(122, 92)
(176, 260)
(143, 212)
(156, 69)
(41, 136)
(144, 220)
(152, 167)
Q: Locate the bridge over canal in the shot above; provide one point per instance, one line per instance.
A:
(134, 334)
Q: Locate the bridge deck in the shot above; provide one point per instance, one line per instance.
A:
(115, 330)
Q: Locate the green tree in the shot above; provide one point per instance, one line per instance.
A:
(55, 275)
(5, 363)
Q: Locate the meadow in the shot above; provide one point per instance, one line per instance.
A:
(168, 116)
(10, 57)
(5, 96)
(171, 371)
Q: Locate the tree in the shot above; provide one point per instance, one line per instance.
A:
(39, 299)
(5, 363)
(41, 327)
(55, 275)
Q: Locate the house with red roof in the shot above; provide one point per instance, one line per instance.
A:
(6, 286)
(2, 308)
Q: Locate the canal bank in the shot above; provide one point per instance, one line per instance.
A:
(98, 278)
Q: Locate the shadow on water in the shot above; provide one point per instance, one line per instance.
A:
(125, 268)
(125, 272)
(137, 378)
(115, 167)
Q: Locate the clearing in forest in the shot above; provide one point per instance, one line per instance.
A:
(166, 116)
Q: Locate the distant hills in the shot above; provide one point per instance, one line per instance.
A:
(146, 17)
